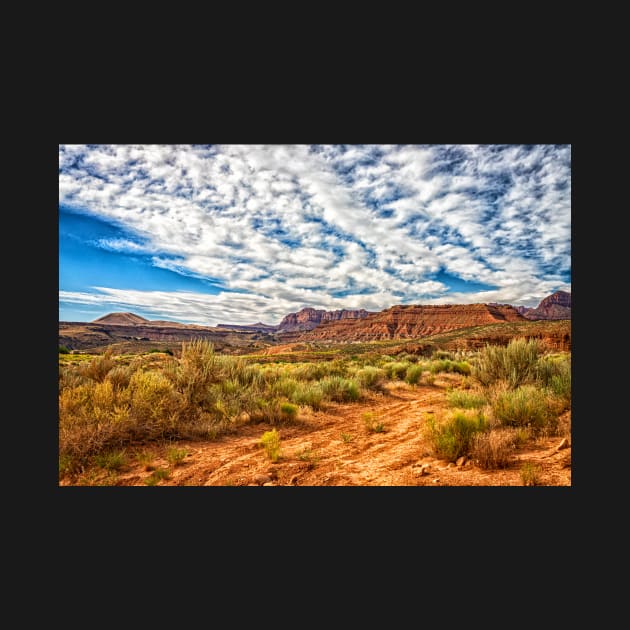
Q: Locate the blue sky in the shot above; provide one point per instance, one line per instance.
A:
(210, 234)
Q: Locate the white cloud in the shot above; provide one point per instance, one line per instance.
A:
(305, 221)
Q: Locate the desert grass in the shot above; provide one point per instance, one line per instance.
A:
(466, 399)
(414, 374)
(515, 364)
(494, 449)
(372, 423)
(526, 406)
(452, 437)
(176, 456)
(156, 476)
(396, 369)
(371, 377)
(530, 474)
(339, 389)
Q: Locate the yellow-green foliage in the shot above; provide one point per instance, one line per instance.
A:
(466, 399)
(156, 476)
(452, 437)
(516, 363)
(340, 389)
(414, 374)
(106, 402)
(446, 365)
(527, 405)
(371, 377)
(530, 474)
(270, 441)
(555, 374)
(289, 411)
(176, 456)
(396, 369)
(310, 394)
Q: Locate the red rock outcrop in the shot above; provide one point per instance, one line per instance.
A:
(555, 306)
(411, 321)
(309, 318)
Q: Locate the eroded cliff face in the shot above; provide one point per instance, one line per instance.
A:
(400, 322)
(309, 318)
(555, 306)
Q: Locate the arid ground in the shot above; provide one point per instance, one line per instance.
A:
(333, 447)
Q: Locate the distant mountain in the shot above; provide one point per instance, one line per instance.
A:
(309, 318)
(555, 306)
(126, 319)
(257, 327)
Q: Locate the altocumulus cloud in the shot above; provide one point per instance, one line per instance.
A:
(281, 227)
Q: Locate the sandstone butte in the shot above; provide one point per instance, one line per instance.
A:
(400, 322)
(555, 306)
(309, 318)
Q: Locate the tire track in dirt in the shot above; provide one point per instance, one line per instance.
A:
(314, 451)
(334, 447)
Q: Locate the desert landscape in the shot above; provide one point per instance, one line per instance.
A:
(302, 315)
(339, 400)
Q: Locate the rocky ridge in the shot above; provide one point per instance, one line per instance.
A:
(407, 321)
(310, 318)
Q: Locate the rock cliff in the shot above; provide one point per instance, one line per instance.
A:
(409, 321)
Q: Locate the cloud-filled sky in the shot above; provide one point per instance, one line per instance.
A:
(211, 234)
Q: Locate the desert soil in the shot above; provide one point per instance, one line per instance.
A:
(332, 447)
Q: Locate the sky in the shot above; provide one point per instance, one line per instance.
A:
(212, 234)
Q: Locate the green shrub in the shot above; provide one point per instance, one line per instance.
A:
(516, 363)
(308, 394)
(67, 465)
(145, 459)
(396, 369)
(340, 389)
(63, 350)
(156, 476)
(465, 399)
(115, 460)
(284, 386)
(310, 371)
(530, 474)
(527, 405)
(270, 441)
(441, 354)
(555, 374)
(447, 365)
(452, 438)
(289, 411)
(461, 367)
(176, 456)
(414, 374)
(266, 410)
(371, 377)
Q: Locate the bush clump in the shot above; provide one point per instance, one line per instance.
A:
(452, 438)
(515, 364)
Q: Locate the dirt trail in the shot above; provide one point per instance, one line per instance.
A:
(333, 447)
